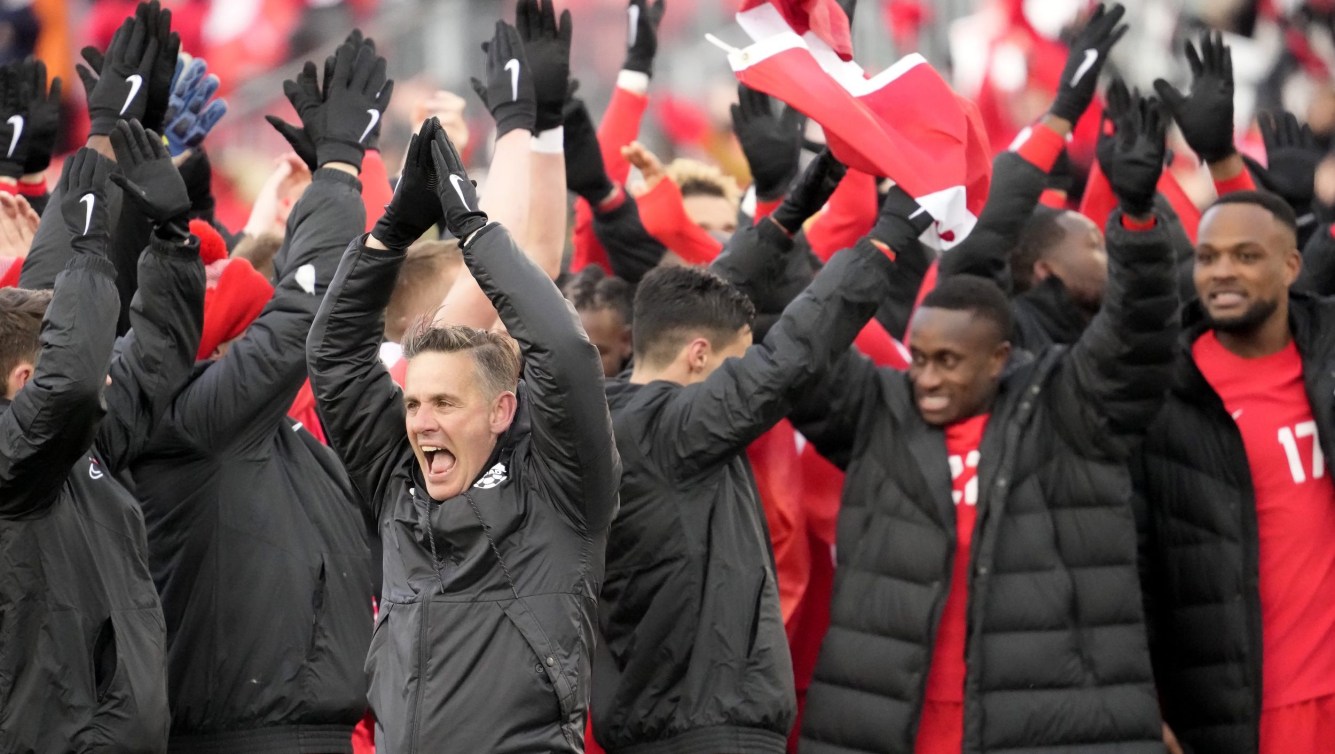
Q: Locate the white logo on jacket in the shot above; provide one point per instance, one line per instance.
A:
(493, 478)
(93, 471)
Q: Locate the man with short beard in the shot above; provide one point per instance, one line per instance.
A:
(1240, 565)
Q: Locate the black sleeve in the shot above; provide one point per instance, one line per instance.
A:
(631, 251)
(1114, 379)
(251, 388)
(572, 430)
(829, 412)
(756, 260)
(1016, 187)
(51, 249)
(129, 237)
(154, 359)
(360, 407)
(53, 418)
(1318, 272)
(709, 421)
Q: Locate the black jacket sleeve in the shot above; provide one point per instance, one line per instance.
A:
(51, 249)
(712, 420)
(154, 359)
(53, 418)
(360, 407)
(829, 412)
(1318, 272)
(572, 430)
(631, 251)
(1114, 379)
(756, 260)
(241, 396)
(130, 236)
(1016, 187)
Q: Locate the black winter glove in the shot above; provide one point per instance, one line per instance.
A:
(458, 195)
(810, 192)
(303, 93)
(83, 201)
(900, 222)
(1089, 52)
(197, 172)
(586, 175)
(358, 94)
(1138, 156)
(642, 20)
(147, 176)
(772, 145)
(1292, 155)
(355, 40)
(415, 207)
(1206, 115)
(126, 74)
(508, 93)
(33, 113)
(547, 48)
(1118, 101)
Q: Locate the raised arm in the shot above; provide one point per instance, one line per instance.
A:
(52, 419)
(1113, 381)
(155, 357)
(547, 47)
(252, 386)
(745, 397)
(572, 430)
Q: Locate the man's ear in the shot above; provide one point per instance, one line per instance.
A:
(1042, 270)
(698, 352)
(999, 358)
(17, 378)
(503, 409)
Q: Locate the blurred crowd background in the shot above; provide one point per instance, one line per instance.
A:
(1005, 54)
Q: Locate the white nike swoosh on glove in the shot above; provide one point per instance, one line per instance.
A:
(455, 181)
(633, 14)
(1091, 57)
(135, 81)
(375, 118)
(17, 122)
(513, 67)
(89, 200)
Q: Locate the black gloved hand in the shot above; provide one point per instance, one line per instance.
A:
(547, 49)
(586, 175)
(642, 20)
(508, 93)
(810, 192)
(1118, 101)
(1089, 52)
(12, 114)
(457, 194)
(83, 200)
(1291, 155)
(303, 93)
(1138, 156)
(355, 40)
(901, 221)
(41, 127)
(147, 174)
(358, 94)
(1206, 115)
(197, 172)
(126, 75)
(159, 22)
(415, 206)
(772, 145)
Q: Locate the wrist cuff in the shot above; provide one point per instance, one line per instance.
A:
(1132, 223)
(32, 189)
(633, 81)
(1240, 182)
(1039, 145)
(551, 141)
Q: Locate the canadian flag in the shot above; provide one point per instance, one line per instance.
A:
(904, 123)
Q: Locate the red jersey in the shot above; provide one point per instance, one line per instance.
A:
(945, 679)
(1295, 516)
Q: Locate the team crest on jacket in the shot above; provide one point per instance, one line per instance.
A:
(493, 478)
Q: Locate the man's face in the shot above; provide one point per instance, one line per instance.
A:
(957, 362)
(1245, 262)
(1080, 261)
(452, 423)
(716, 215)
(610, 333)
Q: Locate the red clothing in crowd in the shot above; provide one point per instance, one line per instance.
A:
(941, 728)
(1295, 517)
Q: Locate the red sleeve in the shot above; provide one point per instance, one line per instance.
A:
(665, 218)
(1240, 182)
(9, 275)
(766, 208)
(848, 216)
(619, 127)
(877, 344)
(1041, 147)
(303, 411)
(585, 247)
(1131, 223)
(1187, 211)
(1099, 201)
(376, 191)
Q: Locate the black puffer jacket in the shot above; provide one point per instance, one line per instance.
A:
(486, 626)
(82, 638)
(690, 609)
(257, 539)
(1057, 655)
(1201, 564)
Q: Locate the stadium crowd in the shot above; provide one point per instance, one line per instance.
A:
(608, 454)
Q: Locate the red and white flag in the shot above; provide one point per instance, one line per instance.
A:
(823, 18)
(904, 123)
